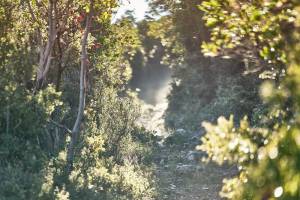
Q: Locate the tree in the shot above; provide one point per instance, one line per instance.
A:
(58, 15)
(34, 117)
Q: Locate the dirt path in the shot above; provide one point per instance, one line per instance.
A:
(180, 172)
(183, 179)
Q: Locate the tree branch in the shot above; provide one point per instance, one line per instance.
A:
(60, 125)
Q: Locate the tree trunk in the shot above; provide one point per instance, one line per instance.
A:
(82, 94)
(46, 52)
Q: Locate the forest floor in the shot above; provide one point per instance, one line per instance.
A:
(181, 173)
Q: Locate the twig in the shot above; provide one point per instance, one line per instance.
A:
(18, 124)
(60, 126)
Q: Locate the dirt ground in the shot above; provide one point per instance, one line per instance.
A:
(181, 179)
(178, 177)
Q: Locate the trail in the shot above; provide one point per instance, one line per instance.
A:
(181, 173)
(183, 176)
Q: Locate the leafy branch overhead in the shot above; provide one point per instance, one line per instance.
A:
(267, 154)
(250, 30)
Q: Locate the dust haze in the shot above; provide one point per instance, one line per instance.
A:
(153, 85)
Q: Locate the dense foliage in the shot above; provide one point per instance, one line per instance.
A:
(43, 43)
(202, 88)
(266, 154)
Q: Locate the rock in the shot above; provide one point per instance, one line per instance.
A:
(172, 186)
(161, 144)
(162, 161)
(194, 155)
(190, 157)
(195, 139)
(180, 131)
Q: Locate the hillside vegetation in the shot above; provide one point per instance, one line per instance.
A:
(140, 110)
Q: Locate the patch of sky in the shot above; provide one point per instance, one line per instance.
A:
(138, 7)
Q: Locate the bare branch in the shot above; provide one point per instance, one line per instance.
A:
(60, 125)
